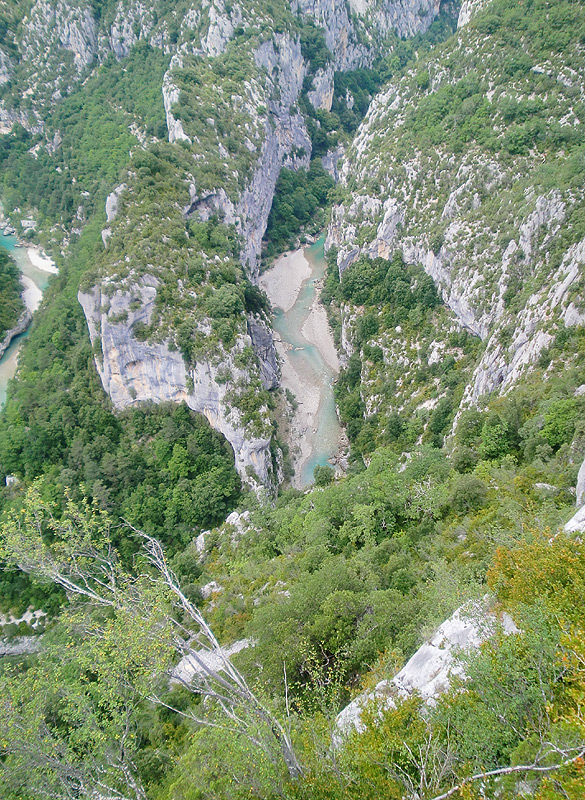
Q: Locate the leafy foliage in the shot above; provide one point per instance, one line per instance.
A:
(11, 303)
(300, 200)
(91, 137)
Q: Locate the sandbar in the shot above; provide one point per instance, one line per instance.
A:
(316, 330)
(31, 295)
(42, 262)
(301, 376)
(282, 282)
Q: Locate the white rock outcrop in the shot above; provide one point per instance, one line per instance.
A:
(580, 489)
(206, 660)
(321, 95)
(21, 325)
(468, 9)
(429, 671)
(577, 522)
(132, 371)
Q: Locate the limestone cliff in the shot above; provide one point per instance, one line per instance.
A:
(133, 371)
(23, 322)
(445, 169)
(355, 30)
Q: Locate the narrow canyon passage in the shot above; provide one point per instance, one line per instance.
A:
(308, 357)
(34, 281)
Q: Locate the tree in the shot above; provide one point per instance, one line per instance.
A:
(152, 619)
(323, 475)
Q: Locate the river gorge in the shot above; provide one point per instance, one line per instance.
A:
(307, 355)
(35, 270)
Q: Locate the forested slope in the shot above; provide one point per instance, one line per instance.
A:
(454, 289)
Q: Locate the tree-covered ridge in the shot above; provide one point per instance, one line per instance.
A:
(63, 176)
(474, 174)
(300, 200)
(58, 423)
(339, 585)
(225, 131)
(11, 13)
(512, 463)
(410, 359)
(11, 303)
(448, 113)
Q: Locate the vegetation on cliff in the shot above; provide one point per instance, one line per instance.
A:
(330, 590)
(11, 303)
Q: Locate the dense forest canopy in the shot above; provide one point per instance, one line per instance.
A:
(11, 304)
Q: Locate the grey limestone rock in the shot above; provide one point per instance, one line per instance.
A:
(577, 522)
(468, 9)
(112, 202)
(5, 68)
(331, 161)
(131, 22)
(55, 23)
(354, 30)
(170, 98)
(189, 667)
(321, 95)
(23, 322)
(430, 669)
(133, 371)
(263, 345)
(581, 486)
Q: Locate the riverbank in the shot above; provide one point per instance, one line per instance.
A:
(35, 268)
(307, 355)
(41, 261)
(283, 281)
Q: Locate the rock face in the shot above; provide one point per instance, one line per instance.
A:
(112, 210)
(354, 30)
(52, 27)
(5, 68)
(61, 45)
(263, 344)
(192, 665)
(453, 211)
(133, 371)
(468, 9)
(577, 522)
(20, 327)
(430, 669)
(286, 142)
(581, 486)
(132, 21)
(321, 95)
(170, 94)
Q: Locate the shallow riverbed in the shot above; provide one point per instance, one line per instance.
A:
(308, 357)
(35, 282)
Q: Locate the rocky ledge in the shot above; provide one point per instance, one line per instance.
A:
(20, 327)
(134, 371)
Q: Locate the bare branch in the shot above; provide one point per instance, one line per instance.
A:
(509, 771)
